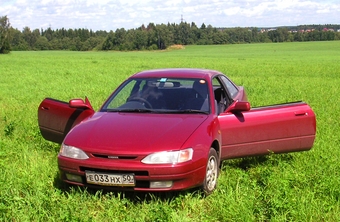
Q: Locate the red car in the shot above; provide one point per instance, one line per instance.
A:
(169, 129)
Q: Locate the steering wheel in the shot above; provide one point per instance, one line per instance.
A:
(146, 103)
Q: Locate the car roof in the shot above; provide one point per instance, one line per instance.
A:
(177, 73)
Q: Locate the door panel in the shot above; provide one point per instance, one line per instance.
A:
(56, 119)
(280, 129)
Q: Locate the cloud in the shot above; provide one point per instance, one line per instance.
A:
(113, 14)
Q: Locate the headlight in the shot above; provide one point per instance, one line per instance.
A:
(167, 157)
(72, 152)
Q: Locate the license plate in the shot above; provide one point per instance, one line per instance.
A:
(106, 179)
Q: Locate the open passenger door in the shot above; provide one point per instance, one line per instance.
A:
(281, 128)
(56, 118)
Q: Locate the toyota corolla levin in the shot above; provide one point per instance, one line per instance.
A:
(169, 129)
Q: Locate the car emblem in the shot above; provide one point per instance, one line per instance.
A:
(113, 157)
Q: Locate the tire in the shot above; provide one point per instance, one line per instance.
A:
(211, 173)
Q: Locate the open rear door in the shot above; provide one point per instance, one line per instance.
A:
(57, 118)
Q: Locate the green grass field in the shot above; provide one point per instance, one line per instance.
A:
(291, 187)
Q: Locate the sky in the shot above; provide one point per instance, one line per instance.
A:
(129, 14)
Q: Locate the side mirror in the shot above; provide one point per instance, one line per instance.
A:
(238, 106)
(80, 104)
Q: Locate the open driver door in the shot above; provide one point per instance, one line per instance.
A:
(56, 118)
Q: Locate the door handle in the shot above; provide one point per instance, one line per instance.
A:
(45, 108)
(301, 113)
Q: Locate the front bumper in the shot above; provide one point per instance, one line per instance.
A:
(183, 176)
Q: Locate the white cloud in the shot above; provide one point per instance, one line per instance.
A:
(113, 14)
(231, 11)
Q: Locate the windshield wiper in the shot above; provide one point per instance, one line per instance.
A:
(158, 111)
(187, 111)
(130, 110)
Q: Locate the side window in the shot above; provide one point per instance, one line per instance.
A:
(233, 90)
(221, 99)
(216, 83)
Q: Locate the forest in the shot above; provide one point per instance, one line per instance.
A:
(155, 36)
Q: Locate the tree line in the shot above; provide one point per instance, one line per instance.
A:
(154, 36)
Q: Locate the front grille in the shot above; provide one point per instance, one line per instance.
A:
(115, 157)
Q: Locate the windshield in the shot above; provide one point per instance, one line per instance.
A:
(166, 95)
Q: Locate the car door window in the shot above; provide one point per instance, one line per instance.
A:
(233, 90)
(220, 94)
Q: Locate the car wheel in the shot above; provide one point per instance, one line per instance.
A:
(211, 173)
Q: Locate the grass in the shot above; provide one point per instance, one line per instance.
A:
(290, 187)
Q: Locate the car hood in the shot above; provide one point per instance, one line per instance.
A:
(126, 133)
